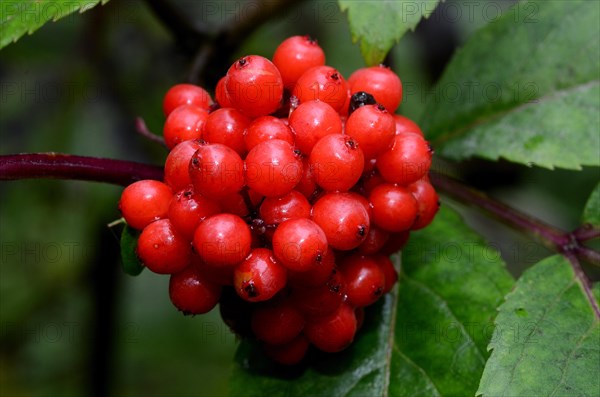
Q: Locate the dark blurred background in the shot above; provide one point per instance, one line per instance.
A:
(71, 323)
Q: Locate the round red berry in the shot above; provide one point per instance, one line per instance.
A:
(188, 209)
(337, 162)
(192, 292)
(277, 323)
(177, 165)
(311, 121)
(394, 207)
(145, 201)
(216, 171)
(273, 168)
(183, 124)
(343, 218)
(267, 127)
(365, 281)
(222, 240)
(162, 249)
(254, 86)
(407, 161)
(373, 128)
(259, 277)
(324, 83)
(295, 55)
(299, 244)
(185, 94)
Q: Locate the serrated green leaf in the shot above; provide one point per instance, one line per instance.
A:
(380, 24)
(547, 338)
(426, 339)
(18, 18)
(591, 212)
(525, 88)
(131, 263)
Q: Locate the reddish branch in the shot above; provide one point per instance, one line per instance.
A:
(65, 166)
(568, 244)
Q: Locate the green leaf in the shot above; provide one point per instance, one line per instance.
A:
(380, 24)
(131, 263)
(451, 284)
(591, 212)
(525, 88)
(21, 17)
(427, 338)
(547, 338)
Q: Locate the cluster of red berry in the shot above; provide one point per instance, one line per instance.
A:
(292, 190)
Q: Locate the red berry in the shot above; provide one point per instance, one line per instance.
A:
(428, 203)
(177, 165)
(216, 171)
(394, 207)
(380, 82)
(188, 209)
(265, 128)
(334, 332)
(337, 162)
(311, 121)
(323, 83)
(227, 126)
(290, 353)
(295, 55)
(273, 168)
(259, 277)
(162, 249)
(145, 201)
(404, 124)
(343, 218)
(299, 244)
(275, 210)
(183, 124)
(278, 323)
(407, 161)
(193, 293)
(365, 281)
(185, 94)
(254, 86)
(373, 128)
(222, 240)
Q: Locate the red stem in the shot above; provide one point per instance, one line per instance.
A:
(66, 166)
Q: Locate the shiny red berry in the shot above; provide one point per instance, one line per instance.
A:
(407, 161)
(311, 121)
(299, 244)
(216, 171)
(185, 94)
(145, 201)
(273, 168)
(183, 124)
(162, 249)
(337, 162)
(394, 207)
(259, 277)
(254, 86)
(265, 128)
(177, 165)
(324, 83)
(295, 55)
(277, 323)
(192, 292)
(365, 281)
(226, 126)
(188, 209)
(373, 128)
(222, 240)
(343, 218)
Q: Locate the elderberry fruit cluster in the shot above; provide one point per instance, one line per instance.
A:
(283, 199)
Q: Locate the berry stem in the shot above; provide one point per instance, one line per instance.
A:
(567, 244)
(66, 166)
(142, 129)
